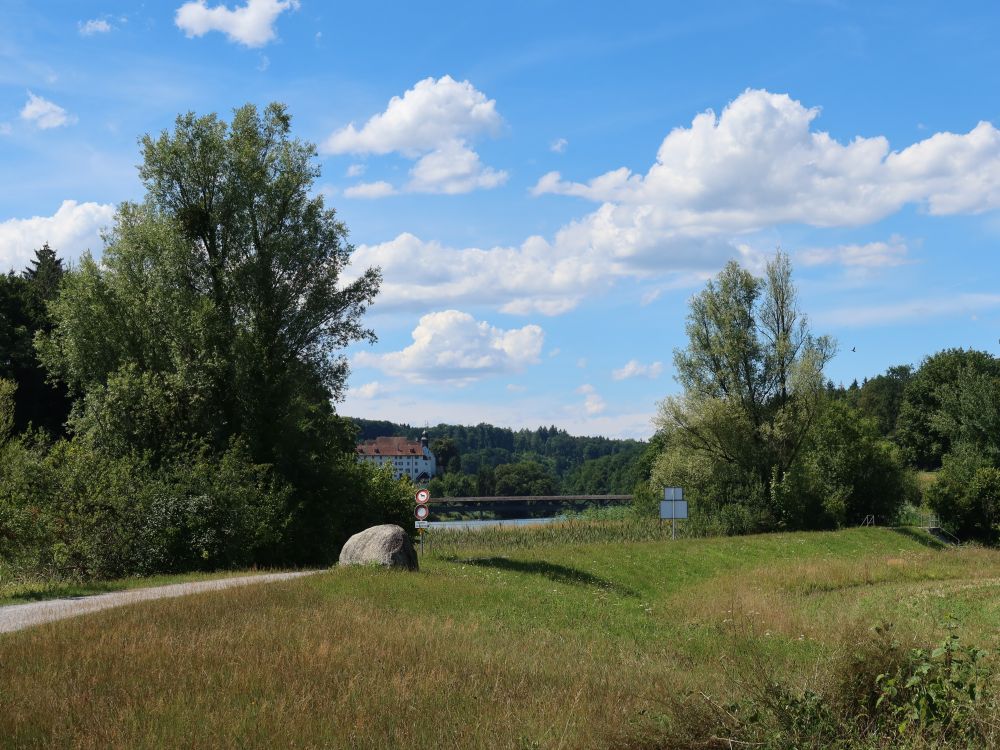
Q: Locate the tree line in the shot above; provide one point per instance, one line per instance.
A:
(169, 406)
(484, 460)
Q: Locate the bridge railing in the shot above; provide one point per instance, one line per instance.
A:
(513, 506)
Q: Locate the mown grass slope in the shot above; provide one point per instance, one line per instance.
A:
(496, 643)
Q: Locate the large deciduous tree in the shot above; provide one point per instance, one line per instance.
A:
(756, 439)
(752, 373)
(938, 405)
(219, 310)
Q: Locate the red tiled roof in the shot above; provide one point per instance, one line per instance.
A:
(390, 446)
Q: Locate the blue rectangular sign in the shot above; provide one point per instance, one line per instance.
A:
(673, 509)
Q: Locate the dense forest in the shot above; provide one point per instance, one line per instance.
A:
(488, 460)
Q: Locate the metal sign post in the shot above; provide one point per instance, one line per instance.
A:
(673, 506)
(422, 513)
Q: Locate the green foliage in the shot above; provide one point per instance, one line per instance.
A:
(203, 353)
(876, 696)
(969, 412)
(7, 390)
(758, 440)
(446, 453)
(95, 515)
(23, 314)
(926, 434)
(44, 273)
(379, 498)
(846, 472)
(453, 485)
(607, 475)
(721, 498)
(966, 495)
(524, 478)
(216, 309)
(752, 377)
(22, 525)
(645, 501)
(938, 693)
(881, 397)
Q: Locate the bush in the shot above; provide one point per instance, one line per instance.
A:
(209, 512)
(77, 512)
(846, 473)
(939, 694)
(378, 498)
(873, 695)
(721, 499)
(23, 481)
(966, 495)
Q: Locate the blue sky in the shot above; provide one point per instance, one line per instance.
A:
(545, 184)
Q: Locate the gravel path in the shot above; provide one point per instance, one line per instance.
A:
(19, 616)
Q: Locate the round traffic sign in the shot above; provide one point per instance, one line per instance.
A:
(421, 512)
(423, 496)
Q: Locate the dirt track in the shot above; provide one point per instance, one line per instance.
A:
(19, 616)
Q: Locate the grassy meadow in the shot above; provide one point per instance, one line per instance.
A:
(504, 639)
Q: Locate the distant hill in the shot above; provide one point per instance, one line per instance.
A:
(584, 465)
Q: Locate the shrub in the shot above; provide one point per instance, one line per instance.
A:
(721, 498)
(873, 695)
(846, 472)
(24, 524)
(939, 693)
(378, 498)
(966, 495)
(77, 512)
(208, 512)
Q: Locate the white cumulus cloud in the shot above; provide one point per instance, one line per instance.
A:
(867, 256)
(94, 26)
(44, 114)
(592, 401)
(535, 277)
(758, 165)
(453, 347)
(434, 123)
(378, 189)
(558, 146)
(73, 228)
(355, 170)
(368, 390)
(761, 163)
(453, 168)
(635, 369)
(426, 117)
(251, 24)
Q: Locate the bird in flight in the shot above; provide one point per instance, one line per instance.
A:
(854, 348)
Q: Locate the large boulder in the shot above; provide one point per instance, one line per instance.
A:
(387, 545)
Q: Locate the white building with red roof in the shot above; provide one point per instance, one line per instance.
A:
(407, 457)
